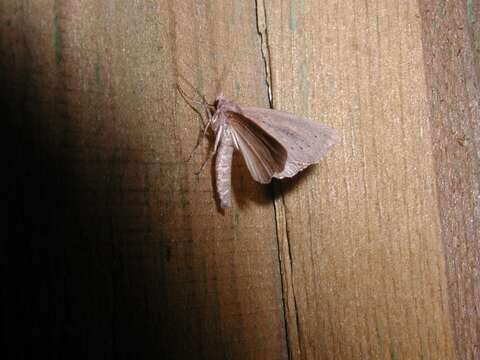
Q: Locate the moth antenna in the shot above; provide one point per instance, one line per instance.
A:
(187, 98)
(218, 137)
(204, 103)
(206, 108)
(189, 102)
(199, 94)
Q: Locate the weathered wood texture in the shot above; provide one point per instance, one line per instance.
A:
(133, 258)
(115, 249)
(363, 231)
(451, 51)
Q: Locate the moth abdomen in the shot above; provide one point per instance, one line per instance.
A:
(223, 168)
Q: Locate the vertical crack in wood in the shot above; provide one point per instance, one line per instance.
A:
(291, 318)
(292, 321)
(261, 17)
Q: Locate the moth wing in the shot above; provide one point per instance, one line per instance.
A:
(305, 141)
(263, 154)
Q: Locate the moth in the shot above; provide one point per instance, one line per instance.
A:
(274, 144)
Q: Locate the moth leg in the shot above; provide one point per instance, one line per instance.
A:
(204, 103)
(205, 107)
(218, 138)
(205, 163)
(210, 117)
(190, 101)
(199, 140)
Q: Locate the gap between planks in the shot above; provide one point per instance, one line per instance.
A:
(292, 326)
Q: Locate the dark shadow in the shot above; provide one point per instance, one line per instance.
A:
(86, 273)
(288, 185)
(246, 190)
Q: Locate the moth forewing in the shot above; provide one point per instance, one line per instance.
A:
(262, 153)
(306, 141)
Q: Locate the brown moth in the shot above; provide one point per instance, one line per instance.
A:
(274, 144)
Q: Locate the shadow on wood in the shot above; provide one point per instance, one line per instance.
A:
(84, 269)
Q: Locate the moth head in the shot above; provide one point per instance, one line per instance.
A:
(220, 101)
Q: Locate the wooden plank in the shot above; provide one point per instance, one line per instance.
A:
(141, 262)
(471, 16)
(365, 266)
(117, 250)
(451, 56)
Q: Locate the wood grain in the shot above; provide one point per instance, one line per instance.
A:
(366, 264)
(135, 259)
(451, 63)
(116, 249)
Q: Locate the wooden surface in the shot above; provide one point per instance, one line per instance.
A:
(452, 63)
(116, 249)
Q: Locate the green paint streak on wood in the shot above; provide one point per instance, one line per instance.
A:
(98, 70)
(237, 89)
(236, 13)
(183, 201)
(199, 81)
(293, 16)
(470, 12)
(393, 353)
(57, 34)
(296, 11)
(441, 10)
(440, 13)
